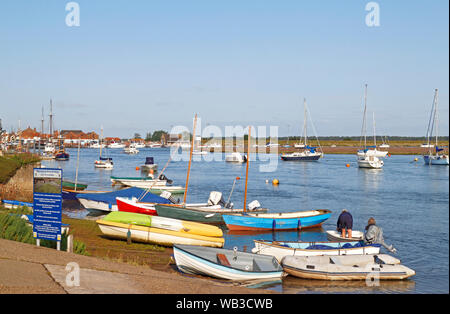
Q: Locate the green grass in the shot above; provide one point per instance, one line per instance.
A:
(9, 164)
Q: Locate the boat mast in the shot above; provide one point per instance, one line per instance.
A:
(436, 116)
(101, 140)
(363, 130)
(305, 121)
(246, 171)
(374, 135)
(190, 159)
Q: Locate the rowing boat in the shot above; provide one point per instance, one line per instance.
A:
(226, 264)
(276, 221)
(351, 267)
(158, 236)
(280, 249)
(333, 235)
(164, 223)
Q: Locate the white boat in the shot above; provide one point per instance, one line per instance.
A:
(236, 157)
(199, 152)
(438, 157)
(280, 249)
(226, 264)
(354, 267)
(132, 149)
(49, 148)
(102, 162)
(371, 162)
(149, 165)
(372, 153)
(308, 153)
(367, 158)
(116, 145)
(333, 235)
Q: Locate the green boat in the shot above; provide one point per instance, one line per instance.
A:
(203, 214)
(71, 185)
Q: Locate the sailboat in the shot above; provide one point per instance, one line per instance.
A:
(364, 158)
(309, 153)
(105, 163)
(373, 149)
(272, 221)
(437, 157)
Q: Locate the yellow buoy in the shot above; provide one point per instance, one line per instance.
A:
(275, 182)
(416, 159)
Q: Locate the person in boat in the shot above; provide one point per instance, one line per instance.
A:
(374, 235)
(345, 224)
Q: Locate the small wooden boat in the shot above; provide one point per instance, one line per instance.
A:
(155, 235)
(280, 249)
(333, 235)
(71, 185)
(207, 214)
(164, 223)
(226, 264)
(346, 267)
(276, 221)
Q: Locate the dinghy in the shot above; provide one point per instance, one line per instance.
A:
(281, 249)
(158, 236)
(164, 223)
(346, 267)
(106, 201)
(226, 264)
(276, 221)
(333, 235)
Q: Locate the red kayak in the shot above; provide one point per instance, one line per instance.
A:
(133, 206)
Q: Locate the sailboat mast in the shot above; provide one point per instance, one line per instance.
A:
(364, 118)
(436, 116)
(374, 134)
(101, 140)
(190, 159)
(246, 171)
(305, 121)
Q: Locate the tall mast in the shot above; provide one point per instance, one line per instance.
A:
(435, 115)
(246, 171)
(51, 120)
(364, 131)
(374, 135)
(305, 121)
(101, 140)
(190, 159)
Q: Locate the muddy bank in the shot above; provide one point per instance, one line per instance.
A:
(20, 186)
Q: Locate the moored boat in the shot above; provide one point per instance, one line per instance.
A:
(106, 201)
(280, 249)
(346, 267)
(226, 264)
(72, 186)
(164, 223)
(155, 235)
(276, 221)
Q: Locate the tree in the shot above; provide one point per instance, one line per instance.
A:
(156, 137)
(137, 135)
(148, 136)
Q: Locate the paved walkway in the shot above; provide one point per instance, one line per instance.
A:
(26, 268)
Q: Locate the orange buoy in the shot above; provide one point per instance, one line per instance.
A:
(275, 182)
(137, 168)
(347, 165)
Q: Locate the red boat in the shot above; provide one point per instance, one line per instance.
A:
(132, 206)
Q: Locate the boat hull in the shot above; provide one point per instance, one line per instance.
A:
(279, 221)
(333, 235)
(282, 249)
(301, 158)
(436, 160)
(165, 223)
(319, 268)
(191, 263)
(155, 235)
(127, 205)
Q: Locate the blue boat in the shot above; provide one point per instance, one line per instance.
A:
(276, 221)
(106, 201)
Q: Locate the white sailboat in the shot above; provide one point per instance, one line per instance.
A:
(132, 149)
(104, 163)
(372, 151)
(364, 159)
(438, 157)
(308, 153)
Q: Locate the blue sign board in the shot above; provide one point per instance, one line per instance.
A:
(47, 203)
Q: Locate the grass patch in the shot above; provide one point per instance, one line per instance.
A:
(9, 164)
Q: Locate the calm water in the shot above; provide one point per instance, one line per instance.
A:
(409, 200)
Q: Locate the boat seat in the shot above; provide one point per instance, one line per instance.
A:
(222, 259)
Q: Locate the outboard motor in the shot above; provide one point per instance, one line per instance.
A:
(168, 196)
(163, 177)
(254, 205)
(215, 198)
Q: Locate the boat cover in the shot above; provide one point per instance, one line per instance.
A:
(110, 197)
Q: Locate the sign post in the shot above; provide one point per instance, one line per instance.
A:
(47, 204)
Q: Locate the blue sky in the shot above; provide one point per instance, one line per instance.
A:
(139, 66)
